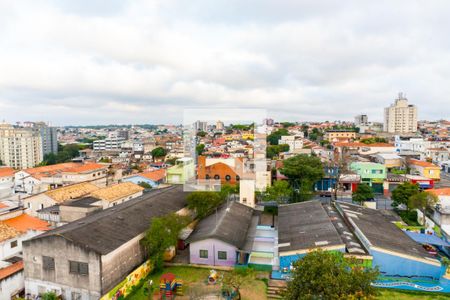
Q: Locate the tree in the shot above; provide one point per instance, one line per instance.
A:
(422, 200)
(328, 275)
(402, 193)
(203, 203)
(236, 278)
(201, 134)
(162, 234)
(363, 193)
(303, 172)
(49, 296)
(158, 152)
(276, 135)
(145, 185)
(274, 150)
(280, 192)
(200, 148)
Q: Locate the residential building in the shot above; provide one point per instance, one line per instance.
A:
(437, 155)
(295, 143)
(6, 182)
(220, 125)
(200, 126)
(389, 160)
(20, 147)
(48, 136)
(153, 178)
(400, 117)
(361, 120)
(221, 238)
(112, 143)
(118, 193)
(182, 171)
(88, 258)
(424, 169)
(339, 135)
(39, 179)
(227, 170)
(371, 173)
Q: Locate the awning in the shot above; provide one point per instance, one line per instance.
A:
(423, 238)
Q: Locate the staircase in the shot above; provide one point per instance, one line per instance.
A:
(275, 288)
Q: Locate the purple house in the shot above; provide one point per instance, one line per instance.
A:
(221, 238)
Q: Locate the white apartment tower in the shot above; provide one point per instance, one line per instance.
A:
(400, 117)
(20, 148)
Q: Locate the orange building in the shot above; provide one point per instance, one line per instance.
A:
(227, 170)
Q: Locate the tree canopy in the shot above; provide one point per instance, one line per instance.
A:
(422, 200)
(204, 203)
(274, 150)
(303, 172)
(159, 152)
(328, 275)
(162, 234)
(402, 193)
(200, 148)
(363, 193)
(280, 192)
(65, 154)
(276, 135)
(236, 278)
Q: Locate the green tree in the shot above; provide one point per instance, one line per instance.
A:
(145, 185)
(158, 152)
(162, 234)
(49, 296)
(328, 275)
(363, 193)
(422, 200)
(274, 150)
(303, 172)
(200, 148)
(280, 192)
(204, 203)
(236, 278)
(201, 134)
(402, 193)
(276, 135)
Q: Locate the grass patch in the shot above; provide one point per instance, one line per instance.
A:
(196, 278)
(409, 217)
(389, 294)
(412, 228)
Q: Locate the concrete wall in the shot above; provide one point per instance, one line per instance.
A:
(119, 263)
(34, 203)
(71, 213)
(11, 285)
(38, 280)
(391, 264)
(213, 246)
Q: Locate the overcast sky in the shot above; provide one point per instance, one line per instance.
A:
(114, 61)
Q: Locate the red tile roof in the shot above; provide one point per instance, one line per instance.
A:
(154, 175)
(85, 168)
(10, 270)
(26, 222)
(421, 163)
(440, 192)
(6, 172)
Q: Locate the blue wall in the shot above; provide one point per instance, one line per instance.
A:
(136, 179)
(391, 265)
(285, 261)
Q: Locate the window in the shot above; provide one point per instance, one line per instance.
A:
(208, 177)
(41, 206)
(217, 177)
(29, 204)
(238, 178)
(76, 267)
(13, 244)
(227, 177)
(222, 255)
(48, 263)
(203, 253)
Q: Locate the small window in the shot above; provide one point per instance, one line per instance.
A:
(29, 204)
(222, 255)
(227, 177)
(216, 177)
(207, 176)
(48, 263)
(76, 267)
(13, 244)
(238, 178)
(203, 253)
(41, 206)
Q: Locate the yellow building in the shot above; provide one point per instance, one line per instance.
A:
(425, 169)
(338, 135)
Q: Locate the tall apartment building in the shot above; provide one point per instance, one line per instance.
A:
(20, 147)
(400, 117)
(48, 135)
(220, 125)
(200, 126)
(361, 120)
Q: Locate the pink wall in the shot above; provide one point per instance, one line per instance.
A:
(213, 246)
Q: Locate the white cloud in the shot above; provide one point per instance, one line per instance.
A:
(144, 61)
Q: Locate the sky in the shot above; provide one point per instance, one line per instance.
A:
(133, 62)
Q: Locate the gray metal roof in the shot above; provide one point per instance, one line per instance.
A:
(107, 230)
(380, 232)
(229, 224)
(305, 225)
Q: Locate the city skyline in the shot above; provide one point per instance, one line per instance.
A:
(137, 62)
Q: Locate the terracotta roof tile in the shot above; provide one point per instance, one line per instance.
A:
(10, 270)
(6, 172)
(85, 168)
(422, 163)
(115, 192)
(440, 192)
(71, 191)
(26, 222)
(7, 232)
(156, 175)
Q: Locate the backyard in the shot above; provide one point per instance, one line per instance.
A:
(195, 284)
